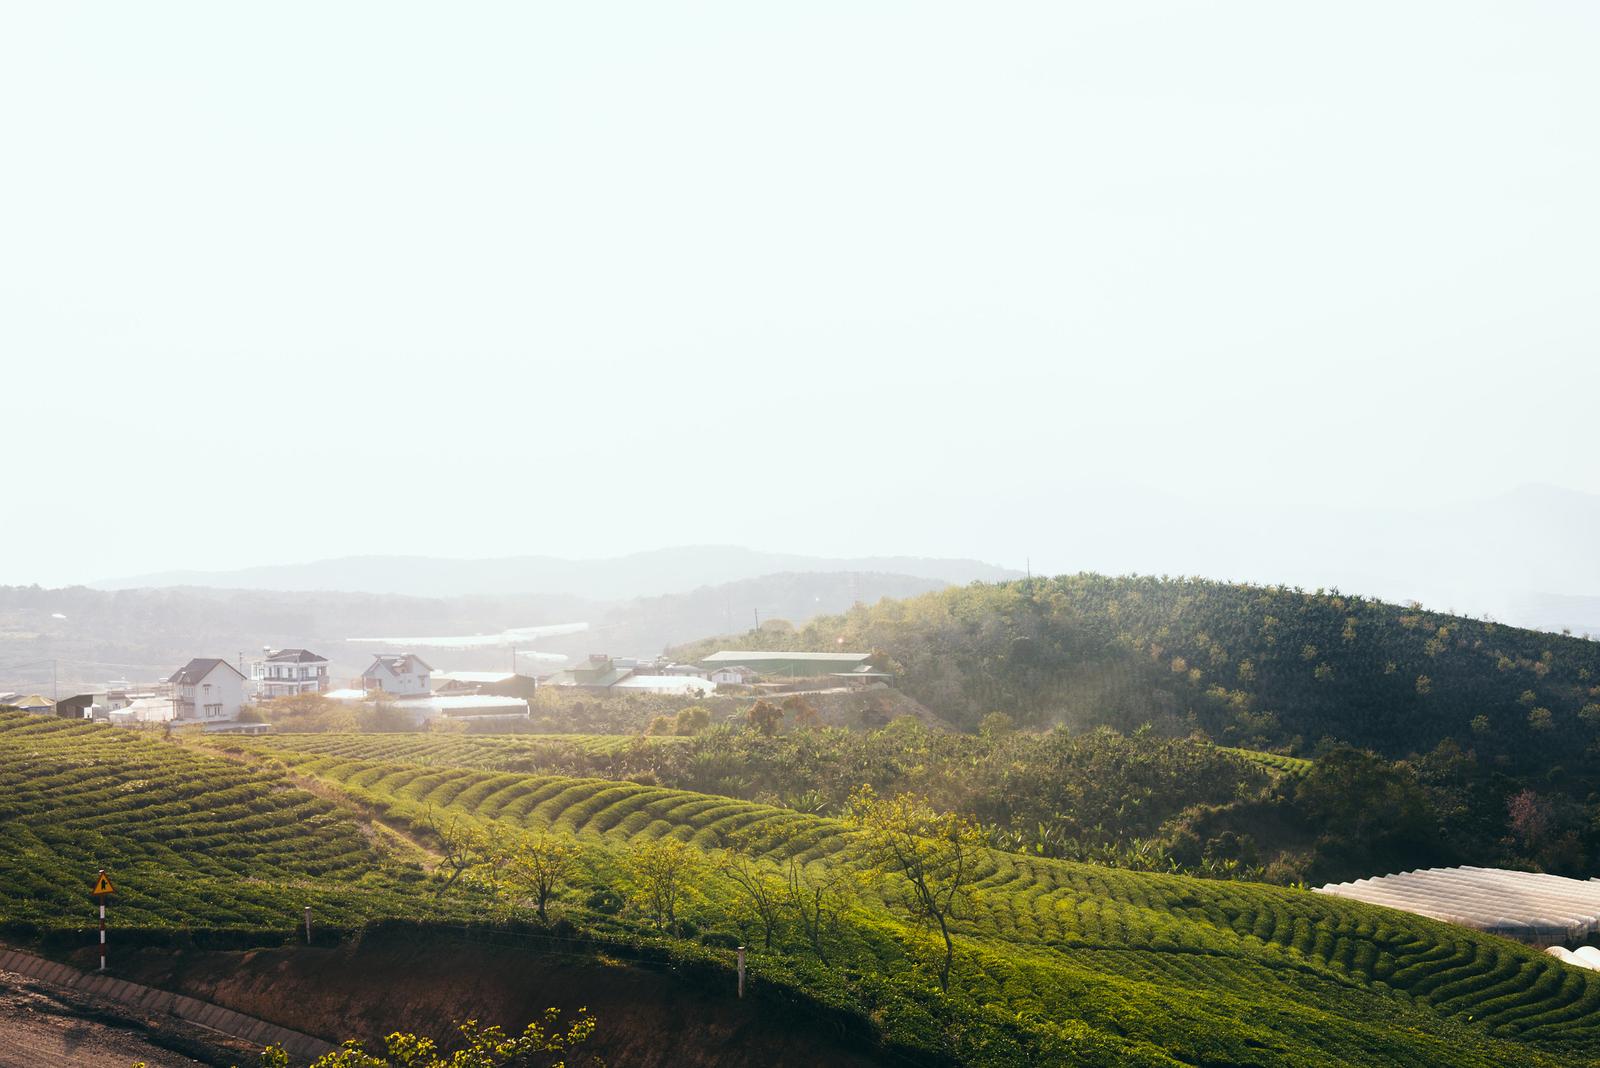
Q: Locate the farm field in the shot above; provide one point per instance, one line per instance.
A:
(192, 839)
(1055, 963)
(1081, 962)
(492, 751)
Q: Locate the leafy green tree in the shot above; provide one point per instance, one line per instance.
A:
(540, 865)
(758, 885)
(934, 855)
(658, 873)
(815, 895)
(691, 720)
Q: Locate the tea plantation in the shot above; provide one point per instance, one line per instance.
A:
(1072, 957)
(1056, 962)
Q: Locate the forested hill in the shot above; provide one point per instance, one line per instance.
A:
(1250, 665)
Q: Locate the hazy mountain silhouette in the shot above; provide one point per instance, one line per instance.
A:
(643, 574)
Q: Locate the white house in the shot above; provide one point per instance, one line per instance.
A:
(732, 675)
(286, 672)
(207, 689)
(399, 674)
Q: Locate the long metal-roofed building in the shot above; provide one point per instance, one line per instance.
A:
(797, 665)
(1531, 907)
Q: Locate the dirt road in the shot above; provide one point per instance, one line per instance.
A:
(43, 1028)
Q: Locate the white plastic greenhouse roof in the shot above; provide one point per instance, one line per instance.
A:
(1528, 906)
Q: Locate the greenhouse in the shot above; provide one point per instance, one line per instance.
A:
(1542, 910)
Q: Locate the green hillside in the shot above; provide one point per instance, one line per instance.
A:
(1120, 967)
(1056, 962)
(1262, 667)
(191, 839)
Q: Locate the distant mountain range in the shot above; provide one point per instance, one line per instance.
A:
(645, 574)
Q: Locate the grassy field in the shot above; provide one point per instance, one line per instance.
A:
(1153, 968)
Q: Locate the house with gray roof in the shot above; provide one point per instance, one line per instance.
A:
(207, 690)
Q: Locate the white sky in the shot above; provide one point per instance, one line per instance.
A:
(818, 277)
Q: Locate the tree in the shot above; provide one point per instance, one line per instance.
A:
(661, 726)
(691, 720)
(816, 898)
(544, 1043)
(458, 853)
(933, 853)
(765, 717)
(801, 712)
(757, 882)
(540, 865)
(657, 873)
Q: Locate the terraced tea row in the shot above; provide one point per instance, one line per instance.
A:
(189, 837)
(478, 751)
(1210, 939)
(1294, 767)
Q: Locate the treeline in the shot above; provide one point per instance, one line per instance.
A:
(1263, 667)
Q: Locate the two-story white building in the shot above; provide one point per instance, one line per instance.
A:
(400, 674)
(207, 689)
(286, 672)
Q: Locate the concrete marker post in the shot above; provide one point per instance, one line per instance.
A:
(308, 925)
(741, 971)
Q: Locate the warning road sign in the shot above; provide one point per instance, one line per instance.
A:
(103, 885)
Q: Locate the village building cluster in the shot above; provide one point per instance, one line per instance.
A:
(214, 693)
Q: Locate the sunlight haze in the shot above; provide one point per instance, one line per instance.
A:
(839, 279)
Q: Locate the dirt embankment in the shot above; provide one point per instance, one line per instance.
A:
(45, 1026)
(648, 1018)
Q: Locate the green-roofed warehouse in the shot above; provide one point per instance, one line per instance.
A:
(794, 664)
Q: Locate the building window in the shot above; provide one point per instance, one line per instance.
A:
(213, 711)
(207, 688)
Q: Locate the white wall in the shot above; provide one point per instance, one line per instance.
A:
(226, 690)
(407, 683)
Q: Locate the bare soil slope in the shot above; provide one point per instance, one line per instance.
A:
(390, 981)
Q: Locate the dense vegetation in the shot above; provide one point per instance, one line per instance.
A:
(1097, 796)
(1486, 731)
(1264, 667)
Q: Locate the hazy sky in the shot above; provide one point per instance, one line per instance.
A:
(287, 281)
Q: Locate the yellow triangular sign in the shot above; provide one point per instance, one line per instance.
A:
(103, 885)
